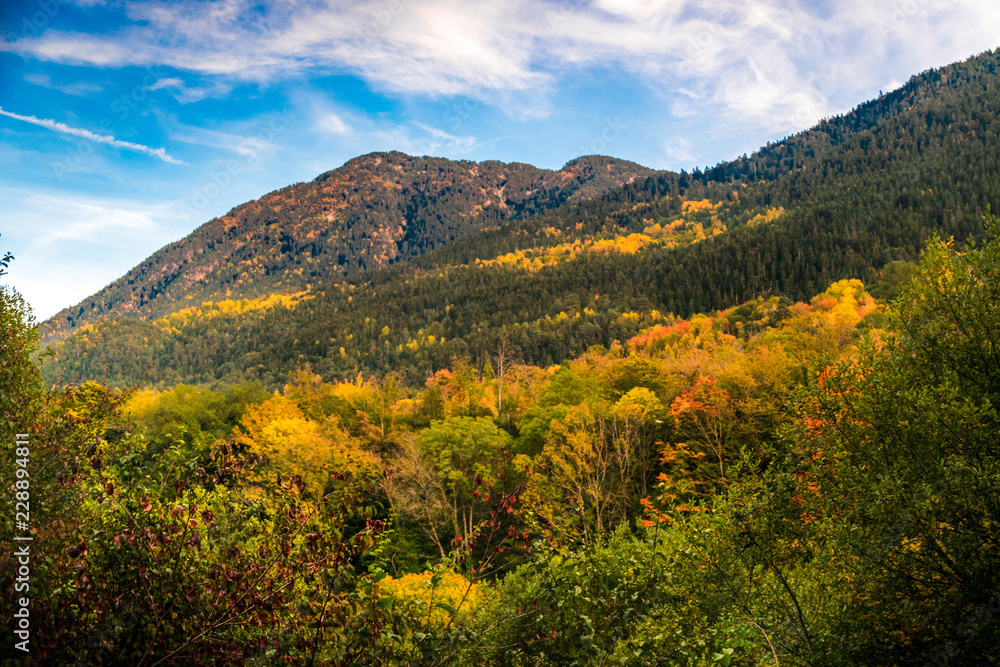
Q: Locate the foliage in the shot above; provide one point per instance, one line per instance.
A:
(292, 445)
(445, 476)
(901, 439)
(748, 486)
(148, 563)
(565, 464)
(622, 601)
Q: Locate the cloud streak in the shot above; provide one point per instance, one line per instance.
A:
(106, 139)
(761, 60)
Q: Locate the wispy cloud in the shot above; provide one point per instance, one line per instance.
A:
(62, 128)
(56, 238)
(75, 88)
(333, 123)
(186, 94)
(440, 139)
(759, 57)
(339, 128)
(239, 140)
(89, 220)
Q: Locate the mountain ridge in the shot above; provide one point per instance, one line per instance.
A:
(375, 210)
(596, 271)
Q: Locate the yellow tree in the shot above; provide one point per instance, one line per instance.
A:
(292, 444)
(704, 415)
(462, 390)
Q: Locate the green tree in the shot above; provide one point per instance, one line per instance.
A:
(445, 475)
(901, 445)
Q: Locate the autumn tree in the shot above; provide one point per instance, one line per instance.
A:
(445, 474)
(595, 465)
(901, 441)
(291, 444)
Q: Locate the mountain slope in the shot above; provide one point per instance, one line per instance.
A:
(375, 210)
(835, 203)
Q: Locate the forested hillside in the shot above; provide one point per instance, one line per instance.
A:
(843, 200)
(805, 483)
(376, 210)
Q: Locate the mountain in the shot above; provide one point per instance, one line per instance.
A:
(841, 200)
(375, 210)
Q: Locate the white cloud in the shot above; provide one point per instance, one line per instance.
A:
(679, 151)
(766, 61)
(62, 128)
(186, 94)
(332, 123)
(438, 142)
(83, 220)
(240, 137)
(168, 82)
(75, 88)
(38, 79)
(341, 129)
(74, 48)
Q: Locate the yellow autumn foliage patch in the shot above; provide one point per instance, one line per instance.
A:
(453, 591)
(293, 444)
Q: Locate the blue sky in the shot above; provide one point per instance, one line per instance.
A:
(125, 125)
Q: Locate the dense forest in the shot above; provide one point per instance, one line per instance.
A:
(375, 210)
(796, 483)
(843, 200)
(740, 416)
